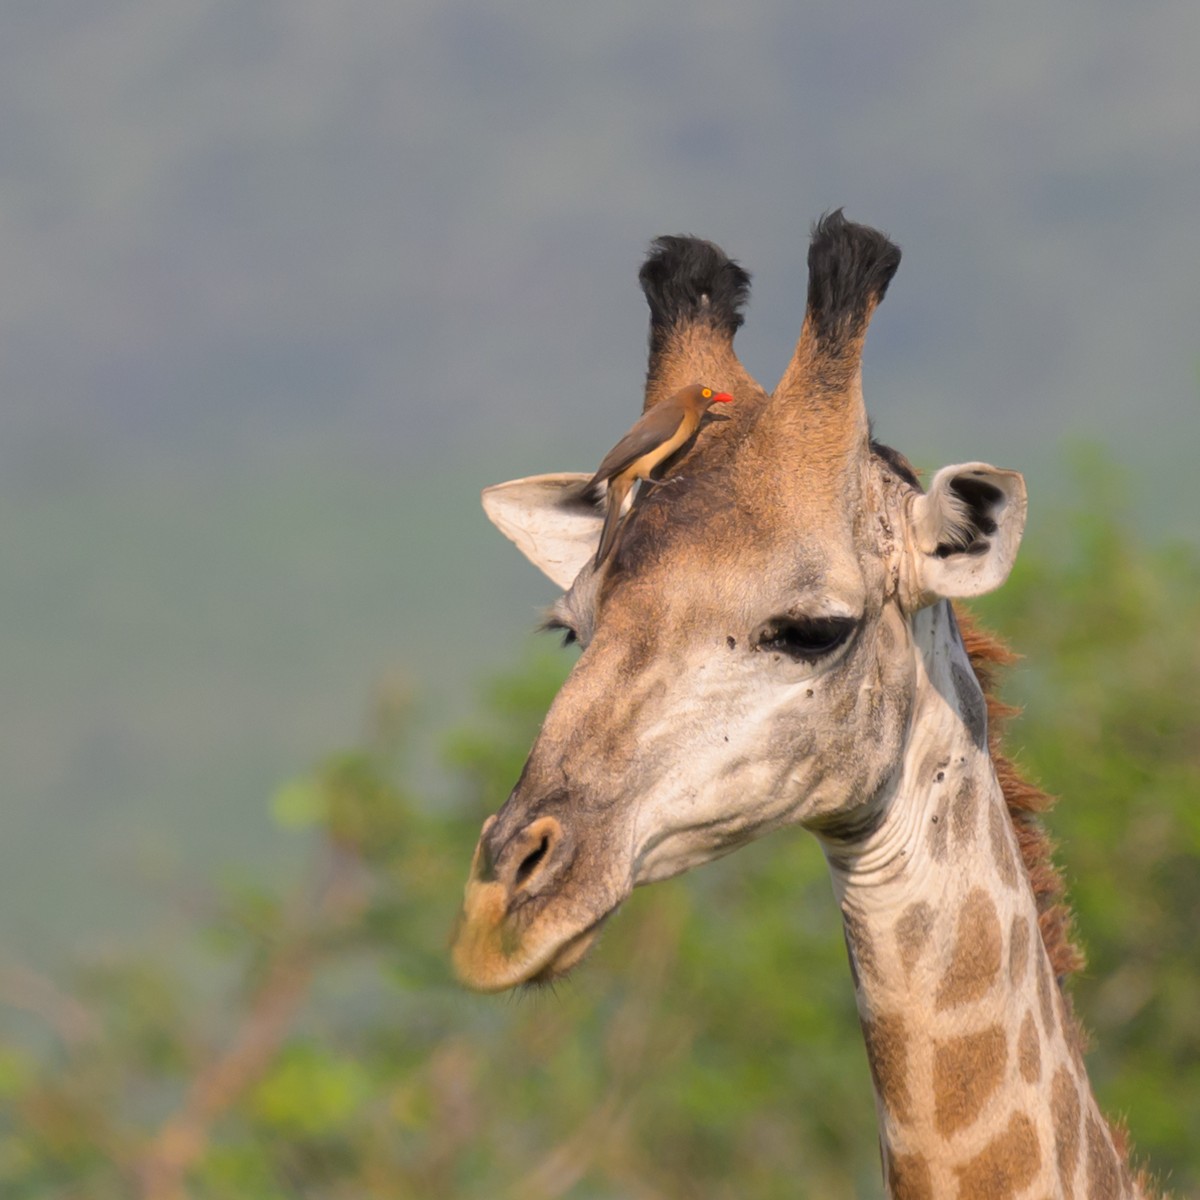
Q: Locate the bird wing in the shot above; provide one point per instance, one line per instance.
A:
(656, 427)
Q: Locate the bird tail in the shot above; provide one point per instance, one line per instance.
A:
(608, 535)
(618, 490)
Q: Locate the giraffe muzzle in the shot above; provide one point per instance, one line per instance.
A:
(512, 928)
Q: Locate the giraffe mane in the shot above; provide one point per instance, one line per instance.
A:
(1025, 801)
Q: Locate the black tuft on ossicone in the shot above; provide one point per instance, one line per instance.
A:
(849, 269)
(687, 279)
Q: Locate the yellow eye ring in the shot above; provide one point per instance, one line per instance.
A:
(706, 392)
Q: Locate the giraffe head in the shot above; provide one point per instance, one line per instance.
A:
(747, 650)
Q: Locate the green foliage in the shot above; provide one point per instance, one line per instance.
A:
(309, 1042)
(309, 1092)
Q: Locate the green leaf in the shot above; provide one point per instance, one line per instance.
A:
(299, 804)
(311, 1092)
(16, 1071)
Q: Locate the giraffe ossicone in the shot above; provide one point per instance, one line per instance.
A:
(772, 641)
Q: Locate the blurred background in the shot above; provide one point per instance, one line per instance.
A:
(284, 286)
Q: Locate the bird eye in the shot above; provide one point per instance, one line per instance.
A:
(804, 639)
(706, 392)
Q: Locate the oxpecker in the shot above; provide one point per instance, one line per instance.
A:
(660, 434)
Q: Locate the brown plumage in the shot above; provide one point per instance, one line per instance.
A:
(660, 434)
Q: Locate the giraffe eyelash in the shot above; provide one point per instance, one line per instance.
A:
(555, 624)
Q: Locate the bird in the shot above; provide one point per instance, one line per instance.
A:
(660, 433)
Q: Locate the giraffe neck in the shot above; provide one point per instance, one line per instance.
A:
(980, 1086)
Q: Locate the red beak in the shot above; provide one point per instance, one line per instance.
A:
(722, 398)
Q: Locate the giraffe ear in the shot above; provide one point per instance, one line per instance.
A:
(965, 531)
(550, 521)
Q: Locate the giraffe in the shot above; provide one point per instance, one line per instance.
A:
(773, 641)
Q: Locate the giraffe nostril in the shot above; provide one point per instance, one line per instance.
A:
(534, 857)
(530, 863)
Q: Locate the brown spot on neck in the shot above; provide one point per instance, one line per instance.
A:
(1018, 950)
(912, 933)
(1064, 1109)
(1104, 1171)
(966, 1071)
(977, 949)
(908, 1177)
(860, 947)
(850, 958)
(963, 814)
(1029, 1051)
(1005, 1165)
(887, 1053)
(1002, 850)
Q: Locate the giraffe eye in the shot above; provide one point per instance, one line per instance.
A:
(556, 625)
(804, 639)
